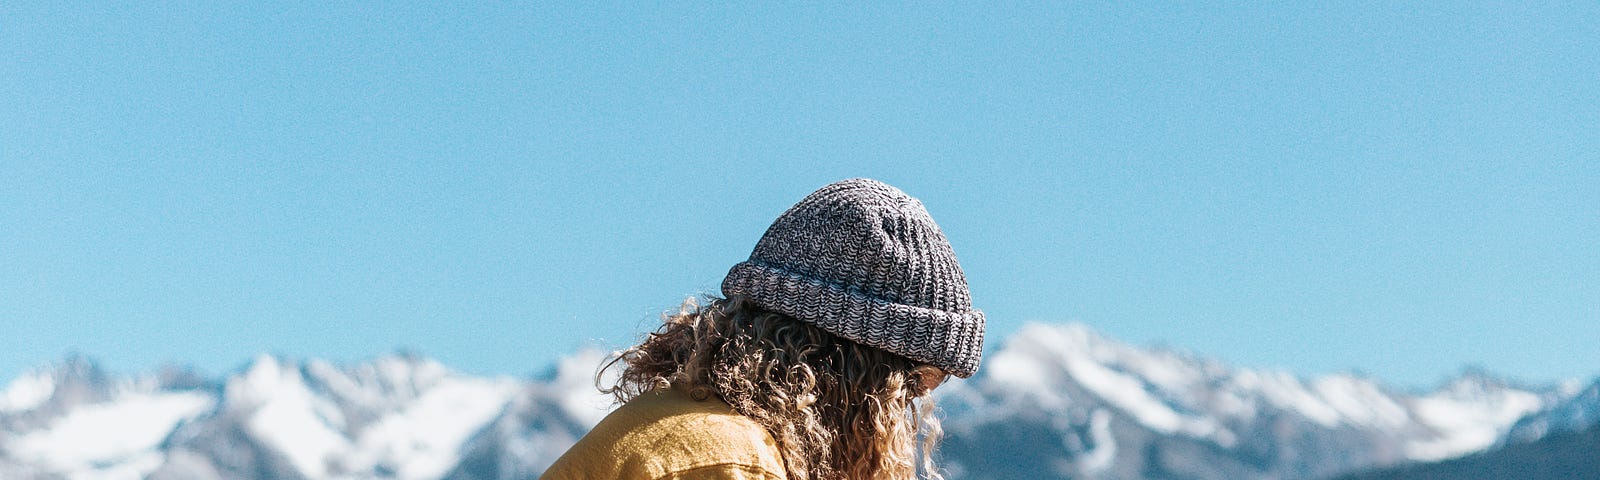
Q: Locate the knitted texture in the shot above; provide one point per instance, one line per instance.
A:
(864, 261)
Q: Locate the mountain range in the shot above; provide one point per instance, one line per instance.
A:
(1052, 401)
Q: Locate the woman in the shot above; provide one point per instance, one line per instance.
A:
(816, 365)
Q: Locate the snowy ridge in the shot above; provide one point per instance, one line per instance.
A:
(1173, 394)
(403, 416)
(1055, 401)
(397, 417)
(97, 427)
(1222, 421)
(117, 439)
(282, 413)
(1469, 415)
(1138, 383)
(27, 392)
(1580, 412)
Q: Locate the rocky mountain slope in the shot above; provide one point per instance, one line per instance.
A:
(1566, 455)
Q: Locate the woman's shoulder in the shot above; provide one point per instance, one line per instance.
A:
(689, 433)
(665, 433)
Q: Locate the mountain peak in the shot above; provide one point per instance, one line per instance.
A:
(1477, 380)
(75, 379)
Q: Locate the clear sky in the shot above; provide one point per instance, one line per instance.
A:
(1391, 189)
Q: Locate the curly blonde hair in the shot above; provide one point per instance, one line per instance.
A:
(838, 409)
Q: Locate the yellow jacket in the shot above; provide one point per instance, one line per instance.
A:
(665, 434)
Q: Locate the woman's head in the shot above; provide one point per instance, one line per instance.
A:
(864, 261)
(838, 409)
(849, 311)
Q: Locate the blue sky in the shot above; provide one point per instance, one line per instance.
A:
(1392, 189)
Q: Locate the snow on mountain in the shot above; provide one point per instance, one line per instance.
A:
(421, 440)
(1581, 412)
(1172, 412)
(282, 413)
(1141, 385)
(395, 417)
(542, 421)
(398, 417)
(115, 439)
(576, 388)
(76, 422)
(1469, 415)
(1055, 401)
(402, 416)
(27, 392)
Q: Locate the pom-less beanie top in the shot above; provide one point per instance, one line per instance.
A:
(864, 261)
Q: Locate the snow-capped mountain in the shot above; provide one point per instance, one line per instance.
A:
(399, 416)
(1087, 407)
(76, 421)
(1055, 401)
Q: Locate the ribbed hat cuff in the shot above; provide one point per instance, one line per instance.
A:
(952, 341)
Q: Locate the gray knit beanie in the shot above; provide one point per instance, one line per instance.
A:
(864, 261)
